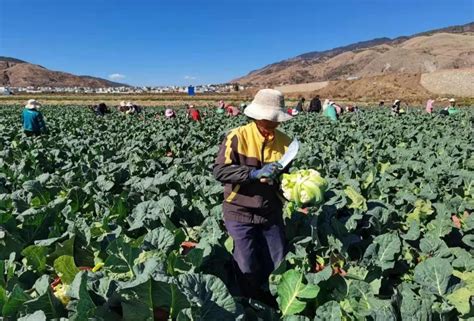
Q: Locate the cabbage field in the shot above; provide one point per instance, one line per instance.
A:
(119, 218)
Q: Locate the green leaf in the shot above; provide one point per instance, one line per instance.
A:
(47, 302)
(329, 311)
(434, 274)
(357, 200)
(151, 214)
(15, 301)
(66, 268)
(82, 305)
(384, 250)
(229, 244)
(36, 256)
(139, 300)
(413, 307)
(170, 296)
(208, 296)
(290, 289)
(359, 297)
(160, 239)
(460, 299)
(36, 316)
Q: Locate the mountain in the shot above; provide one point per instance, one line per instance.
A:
(18, 73)
(441, 49)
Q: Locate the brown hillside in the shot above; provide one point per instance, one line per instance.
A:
(16, 73)
(449, 48)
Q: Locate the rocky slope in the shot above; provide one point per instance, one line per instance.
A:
(447, 48)
(18, 73)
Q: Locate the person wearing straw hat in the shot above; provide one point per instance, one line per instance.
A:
(131, 109)
(451, 109)
(32, 118)
(247, 166)
(122, 106)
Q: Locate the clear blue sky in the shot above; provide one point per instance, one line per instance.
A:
(183, 41)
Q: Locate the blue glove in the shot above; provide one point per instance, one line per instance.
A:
(268, 171)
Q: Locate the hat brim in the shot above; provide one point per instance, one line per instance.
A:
(262, 112)
(32, 106)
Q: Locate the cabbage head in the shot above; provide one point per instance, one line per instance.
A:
(304, 187)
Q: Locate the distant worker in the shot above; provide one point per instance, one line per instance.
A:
(232, 111)
(193, 113)
(32, 118)
(396, 107)
(315, 105)
(122, 107)
(101, 109)
(221, 107)
(243, 106)
(330, 111)
(451, 109)
(326, 104)
(381, 103)
(429, 106)
(132, 109)
(170, 113)
(339, 109)
(300, 105)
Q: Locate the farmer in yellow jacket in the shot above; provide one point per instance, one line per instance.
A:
(247, 166)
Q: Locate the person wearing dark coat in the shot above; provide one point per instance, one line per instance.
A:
(315, 105)
(299, 106)
(101, 109)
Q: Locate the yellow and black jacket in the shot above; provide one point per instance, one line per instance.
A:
(244, 149)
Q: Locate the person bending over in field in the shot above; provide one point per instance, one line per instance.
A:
(101, 109)
(247, 166)
(193, 113)
(32, 118)
(132, 109)
(221, 107)
(451, 109)
(170, 113)
(232, 110)
(330, 111)
(429, 106)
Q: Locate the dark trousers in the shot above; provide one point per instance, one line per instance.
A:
(258, 250)
(30, 134)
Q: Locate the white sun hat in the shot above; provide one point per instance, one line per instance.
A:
(123, 103)
(32, 104)
(268, 104)
(452, 100)
(396, 101)
(129, 104)
(169, 112)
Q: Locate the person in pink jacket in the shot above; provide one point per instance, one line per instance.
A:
(429, 106)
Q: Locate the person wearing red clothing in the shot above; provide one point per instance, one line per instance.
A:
(232, 110)
(193, 113)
